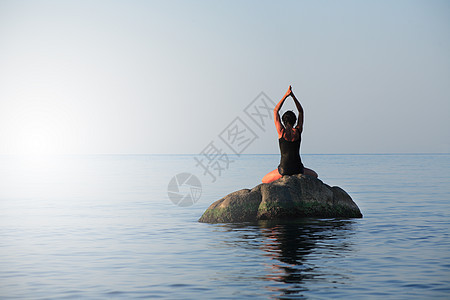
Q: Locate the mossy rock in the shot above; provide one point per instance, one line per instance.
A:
(289, 197)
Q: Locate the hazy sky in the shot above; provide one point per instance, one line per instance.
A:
(170, 76)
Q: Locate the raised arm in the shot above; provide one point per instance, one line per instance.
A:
(300, 112)
(276, 114)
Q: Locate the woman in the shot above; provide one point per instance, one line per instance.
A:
(289, 138)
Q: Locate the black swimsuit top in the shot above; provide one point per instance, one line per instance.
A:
(290, 162)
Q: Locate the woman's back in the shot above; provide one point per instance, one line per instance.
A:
(290, 134)
(290, 162)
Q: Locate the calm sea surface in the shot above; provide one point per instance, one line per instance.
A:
(104, 227)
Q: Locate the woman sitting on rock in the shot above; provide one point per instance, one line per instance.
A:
(289, 138)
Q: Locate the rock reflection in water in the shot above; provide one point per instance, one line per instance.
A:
(300, 254)
(297, 247)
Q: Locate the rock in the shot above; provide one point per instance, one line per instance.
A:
(293, 196)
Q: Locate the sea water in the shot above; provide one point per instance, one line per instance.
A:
(103, 226)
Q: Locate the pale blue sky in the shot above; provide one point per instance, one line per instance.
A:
(169, 76)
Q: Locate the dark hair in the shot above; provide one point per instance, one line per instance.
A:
(289, 118)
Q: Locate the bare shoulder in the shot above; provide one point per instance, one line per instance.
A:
(297, 133)
(280, 132)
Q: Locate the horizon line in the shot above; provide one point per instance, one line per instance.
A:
(231, 154)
